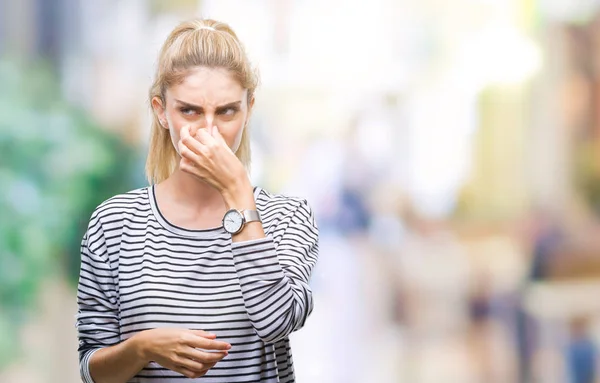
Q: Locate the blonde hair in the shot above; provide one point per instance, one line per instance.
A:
(199, 42)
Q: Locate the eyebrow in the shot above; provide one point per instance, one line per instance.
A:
(198, 107)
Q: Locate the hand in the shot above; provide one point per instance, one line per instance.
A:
(178, 350)
(206, 155)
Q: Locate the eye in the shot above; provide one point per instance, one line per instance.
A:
(187, 111)
(228, 112)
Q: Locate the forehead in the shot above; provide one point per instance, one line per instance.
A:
(208, 86)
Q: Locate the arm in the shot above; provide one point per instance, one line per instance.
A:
(102, 358)
(118, 363)
(102, 355)
(173, 348)
(274, 272)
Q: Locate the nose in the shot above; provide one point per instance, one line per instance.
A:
(204, 122)
(209, 119)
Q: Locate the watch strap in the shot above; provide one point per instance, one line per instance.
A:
(250, 215)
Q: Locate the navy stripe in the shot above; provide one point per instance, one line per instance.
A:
(139, 271)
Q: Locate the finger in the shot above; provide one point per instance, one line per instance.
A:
(204, 334)
(178, 366)
(205, 357)
(184, 132)
(186, 152)
(194, 130)
(189, 373)
(188, 140)
(209, 344)
(201, 356)
(193, 144)
(188, 166)
(191, 158)
(204, 137)
(216, 133)
(194, 365)
(209, 366)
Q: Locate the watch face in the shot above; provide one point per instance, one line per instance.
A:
(232, 222)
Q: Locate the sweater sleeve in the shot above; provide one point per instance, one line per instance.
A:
(97, 315)
(274, 273)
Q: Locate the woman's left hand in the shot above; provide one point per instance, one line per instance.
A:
(206, 155)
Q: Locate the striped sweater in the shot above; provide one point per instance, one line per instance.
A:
(139, 272)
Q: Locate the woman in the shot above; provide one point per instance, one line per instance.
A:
(199, 274)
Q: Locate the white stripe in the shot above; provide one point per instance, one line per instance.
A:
(139, 271)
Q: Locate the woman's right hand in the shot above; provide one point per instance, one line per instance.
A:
(181, 350)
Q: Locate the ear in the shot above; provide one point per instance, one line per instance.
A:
(159, 109)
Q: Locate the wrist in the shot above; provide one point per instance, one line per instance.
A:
(239, 195)
(139, 344)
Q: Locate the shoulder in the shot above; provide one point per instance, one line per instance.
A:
(281, 207)
(107, 220)
(116, 207)
(269, 202)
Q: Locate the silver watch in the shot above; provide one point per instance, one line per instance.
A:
(234, 220)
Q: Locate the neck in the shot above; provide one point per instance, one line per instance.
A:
(188, 190)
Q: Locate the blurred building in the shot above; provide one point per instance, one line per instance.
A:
(462, 137)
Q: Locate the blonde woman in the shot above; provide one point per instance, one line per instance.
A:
(200, 274)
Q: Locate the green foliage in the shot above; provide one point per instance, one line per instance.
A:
(56, 165)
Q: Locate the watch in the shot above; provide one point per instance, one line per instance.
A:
(234, 220)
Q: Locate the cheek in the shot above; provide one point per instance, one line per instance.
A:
(175, 136)
(233, 134)
(175, 140)
(175, 124)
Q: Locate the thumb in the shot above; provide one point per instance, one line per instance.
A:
(217, 134)
(204, 334)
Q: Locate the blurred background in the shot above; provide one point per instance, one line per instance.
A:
(450, 149)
